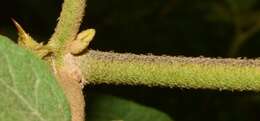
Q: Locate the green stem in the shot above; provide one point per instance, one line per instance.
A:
(69, 23)
(66, 32)
(183, 72)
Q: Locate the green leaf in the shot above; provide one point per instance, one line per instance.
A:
(28, 90)
(111, 108)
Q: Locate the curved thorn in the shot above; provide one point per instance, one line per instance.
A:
(24, 39)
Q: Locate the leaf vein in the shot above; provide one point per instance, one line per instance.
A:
(23, 100)
(15, 89)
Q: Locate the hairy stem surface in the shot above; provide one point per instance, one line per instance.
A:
(165, 71)
(69, 23)
(66, 32)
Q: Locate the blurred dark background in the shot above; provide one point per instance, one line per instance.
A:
(213, 28)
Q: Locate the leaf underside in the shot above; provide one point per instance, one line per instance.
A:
(103, 107)
(28, 90)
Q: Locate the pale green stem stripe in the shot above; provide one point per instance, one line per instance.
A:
(184, 72)
(69, 23)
